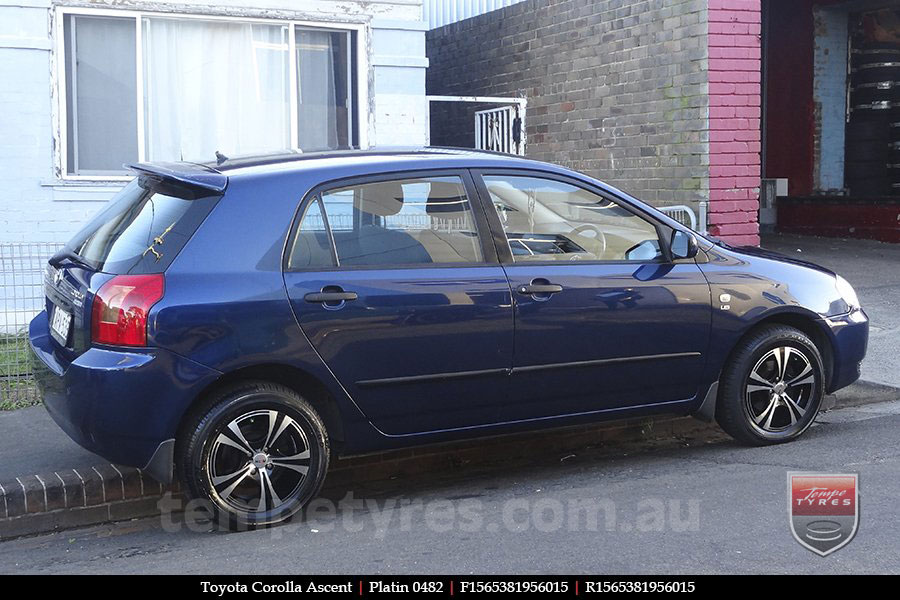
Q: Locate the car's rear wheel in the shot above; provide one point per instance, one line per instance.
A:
(256, 451)
(772, 387)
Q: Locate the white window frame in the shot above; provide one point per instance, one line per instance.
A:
(358, 117)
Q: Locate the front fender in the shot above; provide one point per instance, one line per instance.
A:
(750, 287)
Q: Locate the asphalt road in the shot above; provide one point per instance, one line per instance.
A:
(676, 508)
(873, 268)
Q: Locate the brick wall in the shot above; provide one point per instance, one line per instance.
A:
(734, 113)
(660, 98)
(615, 88)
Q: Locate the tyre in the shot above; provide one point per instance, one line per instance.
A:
(868, 152)
(772, 387)
(869, 95)
(877, 70)
(256, 452)
(871, 169)
(867, 187)
(875, 53)
(863, 130)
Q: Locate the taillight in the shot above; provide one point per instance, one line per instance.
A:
(120, 309)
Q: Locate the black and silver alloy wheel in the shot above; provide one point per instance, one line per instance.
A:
(772, 386)
(258, 462)
(779, 389)
(256, 451)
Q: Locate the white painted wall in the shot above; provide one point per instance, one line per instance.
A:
(443, 12)
(830, 94)
(37, 205)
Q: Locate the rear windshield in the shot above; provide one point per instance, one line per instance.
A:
(141, 229)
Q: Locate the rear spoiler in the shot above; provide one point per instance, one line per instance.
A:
(198, 178)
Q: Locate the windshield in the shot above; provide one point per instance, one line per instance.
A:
(140, 231)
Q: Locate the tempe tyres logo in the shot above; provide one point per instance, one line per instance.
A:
(823, 509)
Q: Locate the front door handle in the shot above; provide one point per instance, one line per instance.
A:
(324, 297)
(539, 288)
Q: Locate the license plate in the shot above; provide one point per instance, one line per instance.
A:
(60, 324)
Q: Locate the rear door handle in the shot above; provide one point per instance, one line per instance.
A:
(539, 288)
(333, 297)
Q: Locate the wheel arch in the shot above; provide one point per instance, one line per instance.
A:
(724, 409)
(302, 382)
(806, 322)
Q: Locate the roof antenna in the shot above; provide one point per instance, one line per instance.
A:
(220, 158)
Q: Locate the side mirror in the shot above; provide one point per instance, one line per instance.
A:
(684, 245)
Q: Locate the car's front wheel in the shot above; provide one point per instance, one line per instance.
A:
(772, 387)
(256, 451)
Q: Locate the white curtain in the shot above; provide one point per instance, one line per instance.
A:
(214, 86)
(101, 94)
(317, 94)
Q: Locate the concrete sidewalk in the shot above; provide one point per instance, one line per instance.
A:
(873, 268)
(30, 442)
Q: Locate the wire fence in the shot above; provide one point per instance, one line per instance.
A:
(22, 268)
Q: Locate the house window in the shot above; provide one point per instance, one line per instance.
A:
(161, 87)
(101, 94)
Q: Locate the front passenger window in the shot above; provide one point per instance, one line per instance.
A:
(545, 219)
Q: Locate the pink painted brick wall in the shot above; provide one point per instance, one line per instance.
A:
(734, 113)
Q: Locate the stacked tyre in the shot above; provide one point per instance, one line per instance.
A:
(866, 168)
(872, 166)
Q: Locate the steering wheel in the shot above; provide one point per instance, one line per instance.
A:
(598, 234)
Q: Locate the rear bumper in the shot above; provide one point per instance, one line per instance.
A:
(849, 339)
(124, 405)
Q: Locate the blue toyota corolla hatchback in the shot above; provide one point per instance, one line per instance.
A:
(238, 323)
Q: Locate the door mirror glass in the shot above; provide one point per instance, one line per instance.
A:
(645, 251)
(684, 245)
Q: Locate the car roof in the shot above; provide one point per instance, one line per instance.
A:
(338, 164)
(373, 159)
(214, 175)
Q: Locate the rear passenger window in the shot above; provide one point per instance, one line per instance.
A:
(404, 222)
(312, 248)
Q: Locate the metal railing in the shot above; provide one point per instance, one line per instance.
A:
(21, 298)
(410, 222)
(685, 215)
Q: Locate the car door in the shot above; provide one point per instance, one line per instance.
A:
(603, 319)
(391, 280)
